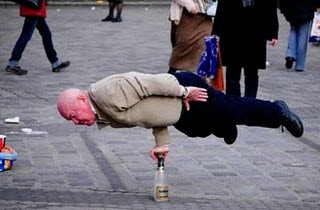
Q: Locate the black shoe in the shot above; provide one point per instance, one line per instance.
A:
(62, 65)
(231, 136)
(291, 121)
(108, 18)
(299, 70)
(117, 19)
(16, 70)
(289, 62)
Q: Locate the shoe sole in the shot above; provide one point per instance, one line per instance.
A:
(15, 72)
(60, 68)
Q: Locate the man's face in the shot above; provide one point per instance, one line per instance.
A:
(81, 113)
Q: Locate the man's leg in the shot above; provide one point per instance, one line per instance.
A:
(205, 118)
(233, 76)
(56, 63)
(221, 113)
(291, 53)
(26, 34)
(254, 112)
(110, 16)
(302, 45)
(46, 36)
(119, 6)
(251, 81)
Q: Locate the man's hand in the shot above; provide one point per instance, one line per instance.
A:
(164, 150)
(195, 94)
(194, 10)
(274, 42)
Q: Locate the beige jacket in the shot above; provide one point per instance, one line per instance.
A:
(177, 7)
(137, 99)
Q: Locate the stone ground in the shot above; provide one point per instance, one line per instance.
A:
(62, 166)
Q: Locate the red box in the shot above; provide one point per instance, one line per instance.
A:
(2, 141)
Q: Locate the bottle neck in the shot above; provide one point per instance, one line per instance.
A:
(160, 163)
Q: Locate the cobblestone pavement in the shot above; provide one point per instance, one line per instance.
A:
(62, 166)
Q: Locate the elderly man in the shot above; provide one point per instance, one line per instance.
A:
(183, 100)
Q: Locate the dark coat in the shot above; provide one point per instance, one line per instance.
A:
(299, 11)
(244, 32)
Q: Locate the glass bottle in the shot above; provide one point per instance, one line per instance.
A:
(161, 188)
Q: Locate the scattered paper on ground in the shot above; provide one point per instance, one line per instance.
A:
(29, 131)
(12, 120)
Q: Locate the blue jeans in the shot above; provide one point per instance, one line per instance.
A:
(30, 23)
(298, 43)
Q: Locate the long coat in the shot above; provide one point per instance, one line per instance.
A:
(299, 11)
(244, 32)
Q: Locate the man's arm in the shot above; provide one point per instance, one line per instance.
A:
(162, 139)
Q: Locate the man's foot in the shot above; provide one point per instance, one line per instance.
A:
(62, 65)
(231, 136)
(16, 70)
(289, 62)
(117, 19)
(108, 18)
(291, 121)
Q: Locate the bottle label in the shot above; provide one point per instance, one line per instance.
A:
(162, 193)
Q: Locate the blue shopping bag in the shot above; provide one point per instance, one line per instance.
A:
(209, 60)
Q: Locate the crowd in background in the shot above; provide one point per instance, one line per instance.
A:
(244, 28)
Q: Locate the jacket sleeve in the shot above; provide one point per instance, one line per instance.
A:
(161, 135)
(272, 20)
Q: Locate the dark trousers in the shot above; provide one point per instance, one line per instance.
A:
(30, 24)
(221, 112)
(251, 80)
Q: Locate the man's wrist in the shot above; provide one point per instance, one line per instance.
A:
(185, 92)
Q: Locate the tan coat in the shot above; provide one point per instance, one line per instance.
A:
(136, 99)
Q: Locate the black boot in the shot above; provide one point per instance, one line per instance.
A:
(289, 62)
(117, 19)
(291, 121)
(108, 18)
(231, 135)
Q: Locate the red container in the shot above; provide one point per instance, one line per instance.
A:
(2, 141)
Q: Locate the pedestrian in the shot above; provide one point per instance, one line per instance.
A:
(118, 4)
(34, 18)
(188, 30)
(299, 14)
(244, 26)
(155, 101)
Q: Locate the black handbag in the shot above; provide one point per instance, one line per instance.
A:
(34, 4)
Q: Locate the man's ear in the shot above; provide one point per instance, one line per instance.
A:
(81, 98)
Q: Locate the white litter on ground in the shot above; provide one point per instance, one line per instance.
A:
(29, 131)
(12, 120)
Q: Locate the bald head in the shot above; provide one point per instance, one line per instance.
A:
(67, 100)
(73, 104)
